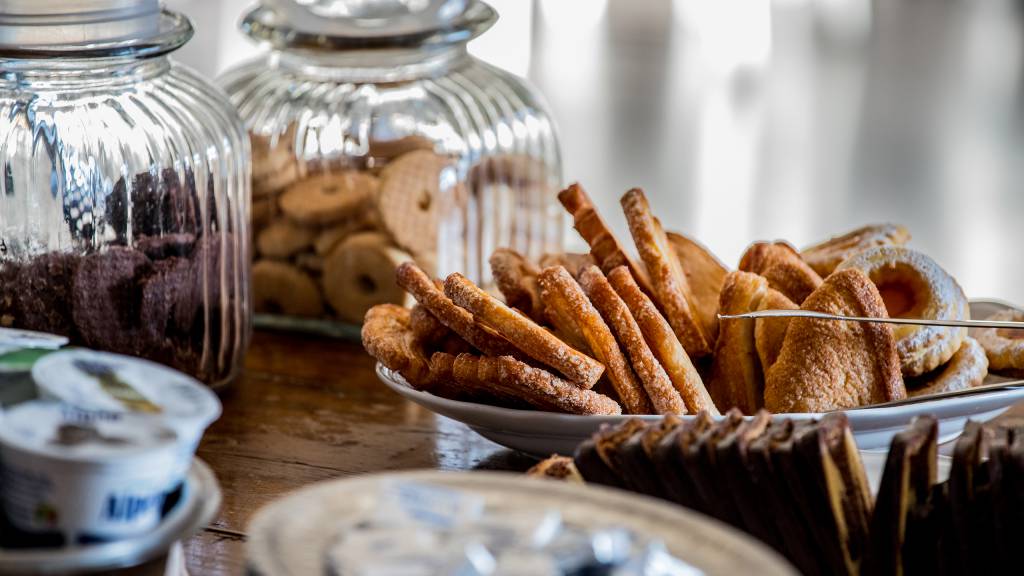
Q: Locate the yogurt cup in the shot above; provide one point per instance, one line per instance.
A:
(92, 380)
(85, 476)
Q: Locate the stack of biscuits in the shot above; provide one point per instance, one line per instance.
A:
(800, 487)
(644, 334)
(569, 337)
(328, 239)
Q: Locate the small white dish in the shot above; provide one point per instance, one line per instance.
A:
(545, 433)
(199, 503)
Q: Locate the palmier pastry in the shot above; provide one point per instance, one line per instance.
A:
(825, 256)
(966, 369)
(826, 364)
(769, 333)
(1003, 346)
(782, 266)
(736, 378)
(915, 286)
(671, 290)
(705, 274)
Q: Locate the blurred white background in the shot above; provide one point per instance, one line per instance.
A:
(758, 119)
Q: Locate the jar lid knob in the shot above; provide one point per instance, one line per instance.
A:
(35, 23)
(360, 24)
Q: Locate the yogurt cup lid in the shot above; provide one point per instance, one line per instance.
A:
(64, 432)
(92, 380)
(12, 340)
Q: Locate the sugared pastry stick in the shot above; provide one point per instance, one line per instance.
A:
(426, 327)
(530, 338)
(616, 314)
(388, 337)
(506, 376)
(416, 282)
(516, 278)
(663, 342)
(671, 289)
(604, 247)
(560, 292)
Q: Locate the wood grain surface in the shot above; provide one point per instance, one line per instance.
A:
(308, 409)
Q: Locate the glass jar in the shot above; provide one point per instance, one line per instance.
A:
(124, 197)
(378, 139)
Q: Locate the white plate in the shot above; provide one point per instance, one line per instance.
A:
(288, 536)
(545, 433)
(198, 506)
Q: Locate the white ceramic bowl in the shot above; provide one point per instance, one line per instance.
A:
(544, 433)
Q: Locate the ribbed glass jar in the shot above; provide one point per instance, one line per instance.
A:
(373, 149)
(124, 202)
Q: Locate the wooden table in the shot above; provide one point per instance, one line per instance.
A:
(309, 409)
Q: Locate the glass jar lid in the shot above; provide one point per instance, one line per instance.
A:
(89, 28)
(367, 24)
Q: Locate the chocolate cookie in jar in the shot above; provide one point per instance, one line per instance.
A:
(377, 139)
(124, 215)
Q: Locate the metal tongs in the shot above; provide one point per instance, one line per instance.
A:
(1011, 324)
(983, 389)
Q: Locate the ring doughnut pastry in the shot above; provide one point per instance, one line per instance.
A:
(327, 198)
(915, 286)
(273, 164)
(282, 239)
(410, 189)
(388, 336)
(360, 272)
(279, 287)
(966, 369)
(825, 256)
(1004, 347)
